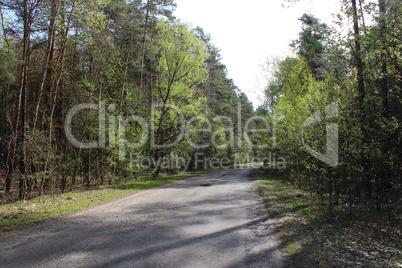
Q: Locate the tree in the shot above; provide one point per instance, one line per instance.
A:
(361, 79)
(311, 44)
(358, 53)
(180, 68)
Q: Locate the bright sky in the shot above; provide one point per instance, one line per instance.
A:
(248, 32)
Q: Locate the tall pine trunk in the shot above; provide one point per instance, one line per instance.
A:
(384, 79)
(358, 58)
(143, 53)
(20, 97)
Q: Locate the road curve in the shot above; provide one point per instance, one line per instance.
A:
(214, 220)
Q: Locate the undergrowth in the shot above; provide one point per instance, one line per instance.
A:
(313, 235)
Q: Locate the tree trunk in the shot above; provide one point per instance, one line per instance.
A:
(143, 54)
(54, 87)
(150, 83)
(123, 89)
(384, 79)
(359, 61)
(22, 88)
(48, 67)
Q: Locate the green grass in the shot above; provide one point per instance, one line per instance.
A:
(312, 239)
(22, 214)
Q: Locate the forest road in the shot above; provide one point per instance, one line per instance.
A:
(213, 220)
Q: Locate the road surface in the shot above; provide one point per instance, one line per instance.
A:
(214, 220)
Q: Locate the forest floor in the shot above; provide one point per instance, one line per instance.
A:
(313, 239)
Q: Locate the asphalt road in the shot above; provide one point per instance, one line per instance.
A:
(183, 224)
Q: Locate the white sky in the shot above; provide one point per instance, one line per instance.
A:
(248, 32)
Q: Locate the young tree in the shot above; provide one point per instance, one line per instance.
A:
(181, 66)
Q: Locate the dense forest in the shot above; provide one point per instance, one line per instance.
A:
(89, 89)
(96, 92)
(337, 108)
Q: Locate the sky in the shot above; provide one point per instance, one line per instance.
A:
(249, 32)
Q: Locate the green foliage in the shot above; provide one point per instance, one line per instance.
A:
(182, 57)
(130, 57)
(8, 66)
(311, 44)
(369, 128)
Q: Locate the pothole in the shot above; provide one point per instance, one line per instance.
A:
(205, 185)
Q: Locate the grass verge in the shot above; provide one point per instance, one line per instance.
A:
(22, 214)
(312, 239)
